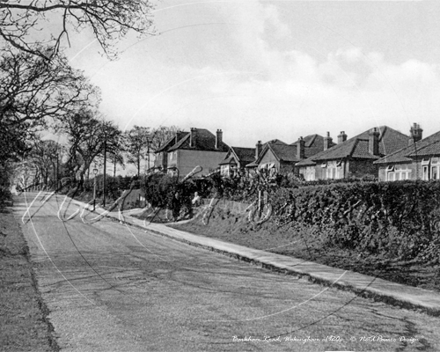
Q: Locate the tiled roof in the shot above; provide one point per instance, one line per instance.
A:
(427, 146)
(204, 140)
(390, 140)
(228, 160)
(431, 149)
(244, 155)
(288, 152)
(284, 152)
(313, 144)
(170, 142)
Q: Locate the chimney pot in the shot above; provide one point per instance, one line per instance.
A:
(300, 149)
(373, 142)
(416, 133)
(192, 137)
(258, 148)
(327, 141)
(218, 139)
(342, 137)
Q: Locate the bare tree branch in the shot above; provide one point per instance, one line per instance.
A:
(110, 20)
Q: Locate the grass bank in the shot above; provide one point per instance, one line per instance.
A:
(313, 245)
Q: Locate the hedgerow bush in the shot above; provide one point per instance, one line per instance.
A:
(398, 219)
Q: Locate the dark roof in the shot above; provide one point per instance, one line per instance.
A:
(356, 147)
(313, 144)
(425, 147)
(170, 142)
(283, 152)
(243, 155)
(228, 160)
(204, 140)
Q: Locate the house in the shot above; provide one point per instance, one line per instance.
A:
(236, 159)
(186, 150)
(420, 160)
(353, 157)
(283, 157)
(161, 155)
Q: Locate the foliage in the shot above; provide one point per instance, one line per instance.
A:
(399, 219)
(23, 25)
(6, 172)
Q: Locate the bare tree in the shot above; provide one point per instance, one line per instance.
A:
(161, 135)
(137, 145)
(23, 21)
(44, 155)
(32, 89)
(88, 136)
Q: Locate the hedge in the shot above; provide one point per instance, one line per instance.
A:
(398, 219)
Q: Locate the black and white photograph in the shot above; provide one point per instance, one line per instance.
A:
(219, 175)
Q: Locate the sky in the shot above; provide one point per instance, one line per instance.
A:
(261, 70)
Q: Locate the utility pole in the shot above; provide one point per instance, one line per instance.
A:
(105, 166)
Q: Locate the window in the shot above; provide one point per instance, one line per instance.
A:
(435, 168)
(425, 173)
(310, 173)
(339, 169)
(224, 170)
(434, 173)
(391, 176)
(389, 172)
(331, 173)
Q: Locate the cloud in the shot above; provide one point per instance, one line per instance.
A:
(256, 88)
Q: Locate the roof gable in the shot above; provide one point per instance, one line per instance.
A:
(427, 146)
(357, 147)
(204, 141)
(172, 141)
(244, 155)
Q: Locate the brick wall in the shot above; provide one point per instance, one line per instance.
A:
(187, 160)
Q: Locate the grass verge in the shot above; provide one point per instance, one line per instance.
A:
(24, 324)
(309, 244)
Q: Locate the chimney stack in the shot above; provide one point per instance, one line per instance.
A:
(373, 142)
(327, 141)
(300, 149)
(192, 137)
(218, 139)
(416, 133)
(342, 137)
(258, 148)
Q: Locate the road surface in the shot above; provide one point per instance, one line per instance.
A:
(111, 287)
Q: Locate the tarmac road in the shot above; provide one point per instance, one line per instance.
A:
(111, 287)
